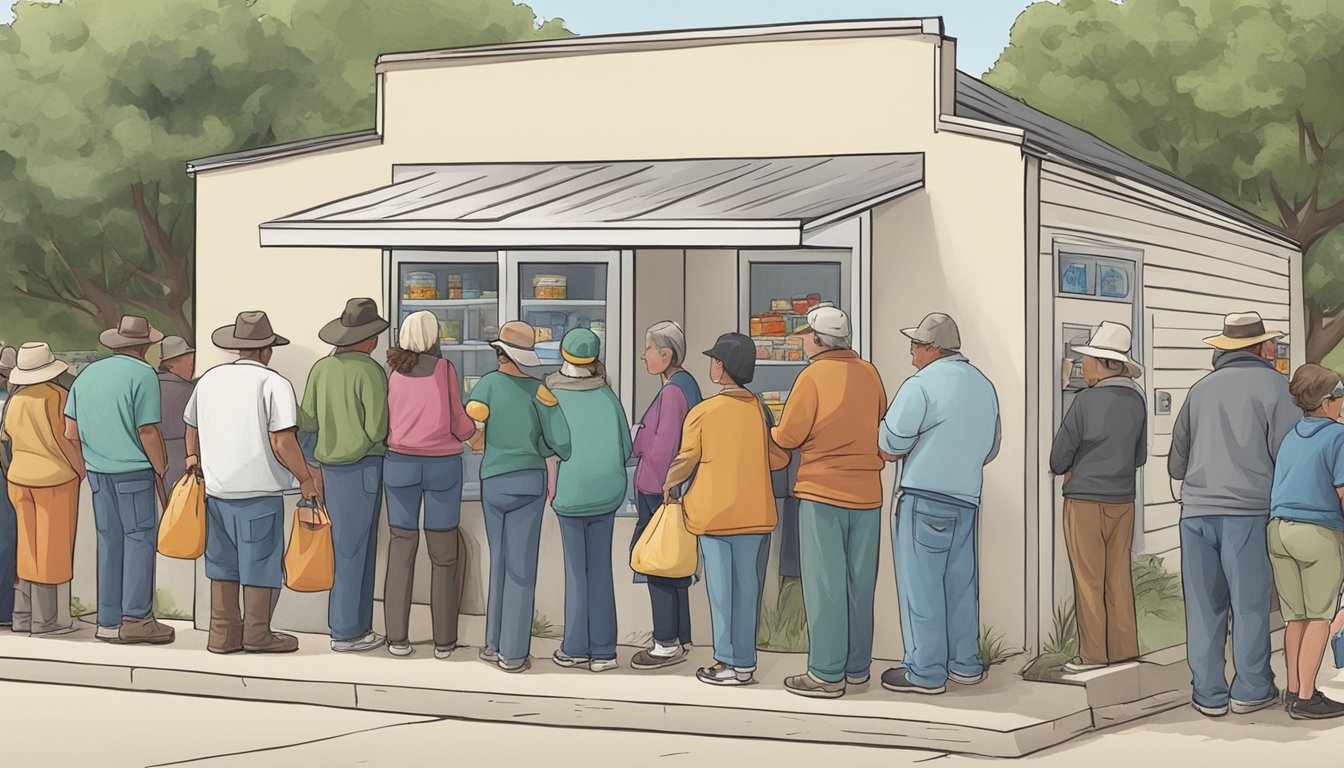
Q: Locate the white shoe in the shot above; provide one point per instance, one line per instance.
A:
(360, 644)
(968, 679)
(514, 667)
(108, 634)
(445, 651)
(400, 649)
(1209, 711)
(857, 679)
(568, 662)
(601, 665)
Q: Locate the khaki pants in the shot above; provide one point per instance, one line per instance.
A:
(1098, 537)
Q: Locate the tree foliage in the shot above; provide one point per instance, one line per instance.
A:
(102, 103)
(1243, 99)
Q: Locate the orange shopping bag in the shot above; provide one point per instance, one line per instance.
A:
(310, 562)
(182, 531)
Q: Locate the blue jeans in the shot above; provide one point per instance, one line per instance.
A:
(353, 497)
(734, 576)
(127, 520)
(938, 588)
(1225, 569)
(9, 552)
(436, 479)
(244, 540)
(669, 598)
(513, 503)
(590, 596)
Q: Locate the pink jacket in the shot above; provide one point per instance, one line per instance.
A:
(425, 413)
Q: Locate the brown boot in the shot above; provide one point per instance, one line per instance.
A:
(226, 623)
(257, 634)
(445, 592)
(144, 630)
(401, 551)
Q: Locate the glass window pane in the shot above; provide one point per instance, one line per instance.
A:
(557, 298)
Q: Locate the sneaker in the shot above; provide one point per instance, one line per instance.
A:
(722, 674)
(1318, 707)
(489, 655)
(1076, 666)
(568, 662)
(1289, 698)
(445, 651)
(1209, 711)
(58, 631)
(857, 679)
(360, 644)
(601, 665)
(812, 688)
(108, 634)
(897, 679)
(961, 679)
(651, 659)
(400, 649)
(147, 631)
(514, 667)
(1247, 707)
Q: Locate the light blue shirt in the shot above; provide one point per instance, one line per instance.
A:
(944, 421)
(1308, 472)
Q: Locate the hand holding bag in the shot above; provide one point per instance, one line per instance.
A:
(182, 531)
(666, 548)
(1337, 647)
(310, 561)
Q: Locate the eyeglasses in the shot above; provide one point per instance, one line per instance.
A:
(1337, 392)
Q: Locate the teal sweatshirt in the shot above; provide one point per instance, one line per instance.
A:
(593, 479)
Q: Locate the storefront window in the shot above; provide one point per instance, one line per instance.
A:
(557, 298)
(779, 296)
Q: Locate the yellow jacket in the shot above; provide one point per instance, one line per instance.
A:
(724, 442)
(832, 416)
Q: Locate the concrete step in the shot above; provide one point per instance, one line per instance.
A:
(1002, 717)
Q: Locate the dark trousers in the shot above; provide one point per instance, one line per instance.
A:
(669, 598)
(9, 551)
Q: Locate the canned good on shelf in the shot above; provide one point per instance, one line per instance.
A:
(421, 285)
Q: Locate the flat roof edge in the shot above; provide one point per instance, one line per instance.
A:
(680, 37)
(277, 151)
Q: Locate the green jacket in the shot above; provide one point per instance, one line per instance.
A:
(593, 479)
(345, 403)
(523, 425)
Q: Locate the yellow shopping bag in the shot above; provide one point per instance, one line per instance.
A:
(666, 548)
(310, 561)
(182, 531)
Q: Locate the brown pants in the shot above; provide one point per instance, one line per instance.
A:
(1098, 537)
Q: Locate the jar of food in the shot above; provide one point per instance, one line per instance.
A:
(421, 285)
(813, 299)
(800, 305)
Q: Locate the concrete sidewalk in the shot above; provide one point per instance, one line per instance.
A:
(1003, 717)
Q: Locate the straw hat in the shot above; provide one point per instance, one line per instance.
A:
(131, 331)
(518, 340)
(36, 364)
(1242, 330)
(1112, 341)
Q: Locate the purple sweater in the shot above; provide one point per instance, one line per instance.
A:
(659, 438)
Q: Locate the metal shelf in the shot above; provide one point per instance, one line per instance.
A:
(448, 303)
(782, 362)
(561, 303)
(456, 347)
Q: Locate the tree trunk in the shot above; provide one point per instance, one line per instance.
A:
(1324, 333)
(175, 283)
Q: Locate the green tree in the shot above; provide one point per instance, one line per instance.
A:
(101, 104)
(1242, 99)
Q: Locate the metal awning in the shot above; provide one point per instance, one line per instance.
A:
(720, 202)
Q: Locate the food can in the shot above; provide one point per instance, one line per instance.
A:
(420, 286)
(800, 305)
(813, 299)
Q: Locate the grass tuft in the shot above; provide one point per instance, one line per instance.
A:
(543, 628)
(783, 626)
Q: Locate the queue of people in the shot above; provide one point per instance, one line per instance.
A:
(1262, 462)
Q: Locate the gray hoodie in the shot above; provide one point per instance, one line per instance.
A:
(1103, 441)
(1227, 435)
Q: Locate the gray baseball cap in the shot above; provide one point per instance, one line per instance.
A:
(936, 330)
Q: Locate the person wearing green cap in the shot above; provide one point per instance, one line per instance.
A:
(590, 486)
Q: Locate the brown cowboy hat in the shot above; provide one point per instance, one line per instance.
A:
(359, 322)
(131, 331)
(252, 330)
(517, 340)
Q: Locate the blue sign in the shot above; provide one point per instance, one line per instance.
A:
(1114, 283)
(1074, 279)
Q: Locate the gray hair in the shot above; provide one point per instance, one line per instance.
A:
(668, 335)
(834, 342)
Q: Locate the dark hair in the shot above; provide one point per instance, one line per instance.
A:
(402, 360)
(1311, 385)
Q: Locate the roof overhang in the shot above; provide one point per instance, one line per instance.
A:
(739, 202)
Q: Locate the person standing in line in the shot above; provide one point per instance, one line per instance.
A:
(43, 485)
(241, 438)
(1098, 449)
(655, 445)
(1223, 446)
(832, 418)
(944, 424)
(726, 446)
(177, 369)
(427, 424)
(8, 527)
(1306, 536)
(113, 412)
(519, 426)
(589, 489)
(345, 403)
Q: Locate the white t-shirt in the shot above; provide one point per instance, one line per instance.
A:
(235, 407)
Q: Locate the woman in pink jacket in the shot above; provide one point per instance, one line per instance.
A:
(427, 425)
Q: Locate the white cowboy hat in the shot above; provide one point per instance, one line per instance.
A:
(1242, 330)
(1112, 341)
(36, 364)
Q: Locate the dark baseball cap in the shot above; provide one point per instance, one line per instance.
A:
(738, 355)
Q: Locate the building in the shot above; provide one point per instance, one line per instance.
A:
(704, 176)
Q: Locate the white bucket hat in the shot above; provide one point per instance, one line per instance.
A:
(36, 364)
(1112, 341)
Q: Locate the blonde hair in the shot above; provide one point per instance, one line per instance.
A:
(1311, 385)
(419, 333)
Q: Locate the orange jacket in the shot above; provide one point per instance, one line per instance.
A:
(724, 442)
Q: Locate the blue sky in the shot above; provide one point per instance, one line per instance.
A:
(980, 26)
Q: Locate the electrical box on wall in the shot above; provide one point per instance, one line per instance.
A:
(1162, 403)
